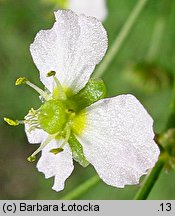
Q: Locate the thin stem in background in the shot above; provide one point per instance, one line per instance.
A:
(82, 189)
(150, 180)
(156, 39)
(159, 30)
(114, 49)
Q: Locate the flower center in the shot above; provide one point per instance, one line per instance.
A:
(52, 116)
(62, 113)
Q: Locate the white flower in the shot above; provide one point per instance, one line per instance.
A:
(117, 135)
(95, 8)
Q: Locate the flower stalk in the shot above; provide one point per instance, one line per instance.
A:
(151, 179)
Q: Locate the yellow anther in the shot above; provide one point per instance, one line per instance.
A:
(51, 73)
(31, 158)
(11, 122)
(21, 80)
(56, 150)
(58, 92)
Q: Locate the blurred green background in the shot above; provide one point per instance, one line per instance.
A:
(20, 21)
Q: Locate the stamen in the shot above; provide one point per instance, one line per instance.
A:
(23, 80)
(68, 131)
(32, 114)
(33, 157)
(51, 73)
(32, 128)
(32, 119)
(60, 91)
(13, 122)
(40, 91)
(56, 150)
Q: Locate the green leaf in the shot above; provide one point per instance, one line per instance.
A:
(93, 91)
(77, 151)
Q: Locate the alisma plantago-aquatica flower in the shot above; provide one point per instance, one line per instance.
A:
(75, 121)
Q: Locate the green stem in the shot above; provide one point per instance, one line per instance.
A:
(159, 30)
(156, 39)
(150, 180)
(120, 38)
(82, 189)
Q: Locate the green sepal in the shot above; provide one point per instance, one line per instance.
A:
(93, 91)
(77, 151)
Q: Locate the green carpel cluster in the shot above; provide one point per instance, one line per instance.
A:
(52, 116)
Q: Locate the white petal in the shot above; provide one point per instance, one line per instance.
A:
(60, 165)
(118, 140)
(35, 136)
(72, 48)
(95, 8)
